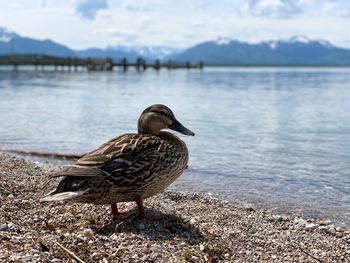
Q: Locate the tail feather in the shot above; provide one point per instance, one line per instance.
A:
(64, 196)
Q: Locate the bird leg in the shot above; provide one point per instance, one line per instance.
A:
(148, 213)
(141, 208)
(121, 215)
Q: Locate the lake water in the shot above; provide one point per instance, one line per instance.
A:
(275, 137)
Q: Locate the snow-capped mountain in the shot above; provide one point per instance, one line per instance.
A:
(148, 52)
(299, 40)
(6, 35)
(12, 43)
(297, 50)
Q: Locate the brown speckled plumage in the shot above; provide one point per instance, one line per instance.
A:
(131, 167)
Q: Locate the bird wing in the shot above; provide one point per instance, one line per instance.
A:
(119, 157)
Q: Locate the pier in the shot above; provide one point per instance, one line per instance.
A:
(42, 62)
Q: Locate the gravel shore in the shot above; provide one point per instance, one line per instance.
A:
(198, 228)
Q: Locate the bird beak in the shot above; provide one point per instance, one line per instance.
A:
(177, 126)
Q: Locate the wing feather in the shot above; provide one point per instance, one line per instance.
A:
(117, 155)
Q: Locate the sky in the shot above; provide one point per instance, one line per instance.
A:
(81, 24)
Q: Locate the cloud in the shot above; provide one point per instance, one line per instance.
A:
(273, 8)
(197, 24)
(336, 8)
(133, 5)
(122, 35)
(88, 9)
(43, 3)
(285, 9)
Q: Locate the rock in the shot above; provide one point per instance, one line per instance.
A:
(300, 221)
(201, 247)
(338, 229)
(88, 232)
(114, 237)
(279, 218)
(194, 259)
(16, 239)
(34, 251)
(311, 226)
(141, 226)
(4, 227)
(323, 228)
(324, 222)
(155, 249)
(192, 221)
(331, 230)
(339, 234)
(249, 207)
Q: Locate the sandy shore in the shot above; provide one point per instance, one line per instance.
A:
(198, 229)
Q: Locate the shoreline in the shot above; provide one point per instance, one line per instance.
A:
(336, 216)
(199, 228)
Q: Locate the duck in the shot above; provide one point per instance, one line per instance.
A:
(128, 168)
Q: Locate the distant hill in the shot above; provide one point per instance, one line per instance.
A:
(297, 50)
(12, 43)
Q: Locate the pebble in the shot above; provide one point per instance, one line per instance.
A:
(300, 221)
(249, 207)
(332, 230)
(141, 226)
(34, 251)
(88, 232)
(279, 218)
(323, 228)
(324, 222)
(195, 259)
(311, 226)
(4, 227)
(155, 249)
(114, 237)
(224, 235)
(16, 239)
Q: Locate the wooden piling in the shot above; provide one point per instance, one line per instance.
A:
(39, 62)
(157, 64)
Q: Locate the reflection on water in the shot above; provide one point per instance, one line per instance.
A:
(262, 134)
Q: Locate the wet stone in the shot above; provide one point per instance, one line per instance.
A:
(4, 227)
(311, 226)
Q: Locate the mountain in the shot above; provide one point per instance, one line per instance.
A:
(102, 53)
(298, 50)
(149, 52)
(6, 35)
(12, 43)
